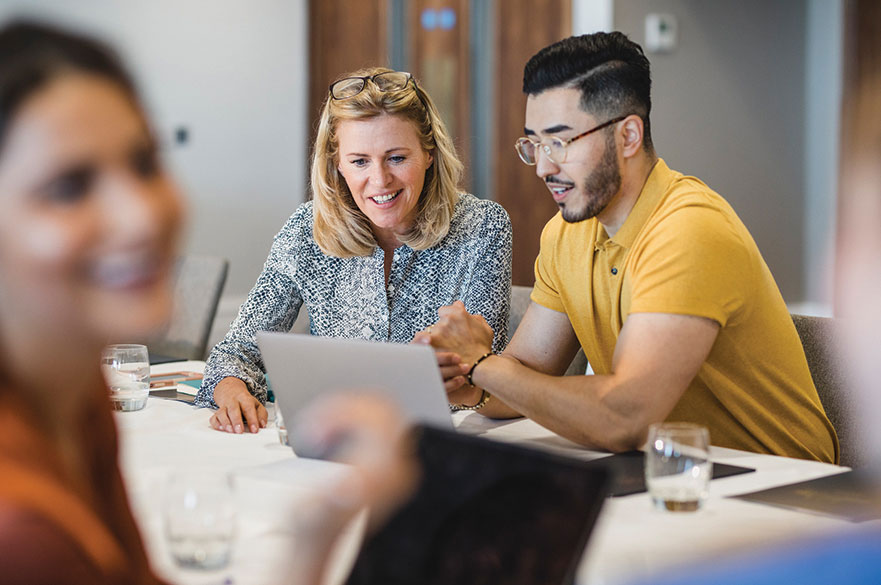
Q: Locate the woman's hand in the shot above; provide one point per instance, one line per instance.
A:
(368, 432)
(237, 409)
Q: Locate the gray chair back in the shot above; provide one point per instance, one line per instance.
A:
(519, 303)
(820, 337)
(199, 282)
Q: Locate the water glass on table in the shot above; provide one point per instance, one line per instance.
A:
(126, 368)
(199, 516)
(677, 466)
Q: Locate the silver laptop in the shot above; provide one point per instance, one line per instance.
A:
(303, 367)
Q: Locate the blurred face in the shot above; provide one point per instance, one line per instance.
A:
(88, 218)
(590, 178)
(384, 165)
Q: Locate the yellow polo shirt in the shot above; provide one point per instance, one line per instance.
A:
(683, 250)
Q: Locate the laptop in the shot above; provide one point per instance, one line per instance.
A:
(486, 512)
(302, 367)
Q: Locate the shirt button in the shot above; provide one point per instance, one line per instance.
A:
(614, 270)
(366, 331)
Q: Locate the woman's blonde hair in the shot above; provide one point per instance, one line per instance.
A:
(340, 228)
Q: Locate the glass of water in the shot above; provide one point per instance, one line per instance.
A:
(199, 517)
(127, 371)
(677, 466)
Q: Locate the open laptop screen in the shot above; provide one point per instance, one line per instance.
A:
(486, 513)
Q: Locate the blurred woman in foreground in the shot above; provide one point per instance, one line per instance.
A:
(88, 225)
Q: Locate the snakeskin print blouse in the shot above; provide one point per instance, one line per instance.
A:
(348, 297)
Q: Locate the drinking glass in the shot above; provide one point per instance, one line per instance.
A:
(126, 368)
(199, 517)
(678, 466)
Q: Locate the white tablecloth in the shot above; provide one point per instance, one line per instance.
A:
(274, 491)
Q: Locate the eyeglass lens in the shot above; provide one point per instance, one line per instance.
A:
(391, 80)
(345, 88)
(352, 86)
(526, 149)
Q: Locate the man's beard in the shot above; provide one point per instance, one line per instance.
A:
(599, 188)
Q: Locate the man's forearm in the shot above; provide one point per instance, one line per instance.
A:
(589, 410)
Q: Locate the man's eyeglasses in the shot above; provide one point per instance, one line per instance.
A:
(349, 87)
(555, 148)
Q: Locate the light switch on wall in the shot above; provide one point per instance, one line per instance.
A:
(660, 33)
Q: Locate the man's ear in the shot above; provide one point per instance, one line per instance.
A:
(632, 131)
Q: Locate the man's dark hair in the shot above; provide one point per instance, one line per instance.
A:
(611, 71)
(33, 54)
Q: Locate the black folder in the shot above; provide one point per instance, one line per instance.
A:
(628, 472)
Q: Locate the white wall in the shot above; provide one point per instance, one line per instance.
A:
(234, 72)
(729, 107)
(590, 16)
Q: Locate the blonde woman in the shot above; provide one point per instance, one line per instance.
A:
(387, 239)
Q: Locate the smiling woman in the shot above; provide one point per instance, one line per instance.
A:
(387, 240)
(384, 166)
(88, 224)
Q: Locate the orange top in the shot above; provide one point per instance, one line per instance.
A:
(51, 533)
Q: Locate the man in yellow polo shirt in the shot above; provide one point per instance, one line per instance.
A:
(650, 271)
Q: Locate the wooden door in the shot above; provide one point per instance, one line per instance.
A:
(523, 27)
(438, 56)
(343, 36)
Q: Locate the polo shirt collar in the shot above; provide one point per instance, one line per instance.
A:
(656, 185)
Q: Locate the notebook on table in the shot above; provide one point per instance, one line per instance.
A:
(180, 385)
(486, 512)
(301, 368)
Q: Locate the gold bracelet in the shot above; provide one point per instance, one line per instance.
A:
(484, 398)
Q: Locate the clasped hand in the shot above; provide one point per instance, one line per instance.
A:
(459, 339)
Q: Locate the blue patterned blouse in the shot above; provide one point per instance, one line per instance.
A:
(347, 297)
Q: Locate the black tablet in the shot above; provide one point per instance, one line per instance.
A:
(486, 513)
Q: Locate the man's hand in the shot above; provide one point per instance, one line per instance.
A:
(469, 336)
(450, 364)
(235, 406)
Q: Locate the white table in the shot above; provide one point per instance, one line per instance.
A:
(274, 490)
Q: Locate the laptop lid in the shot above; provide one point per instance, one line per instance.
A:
(303, 367)
(486, 512)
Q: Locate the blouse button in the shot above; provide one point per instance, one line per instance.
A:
(614, 270)
(366, 331)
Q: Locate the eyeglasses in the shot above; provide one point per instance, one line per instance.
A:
(555, 149)
(349, 87)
